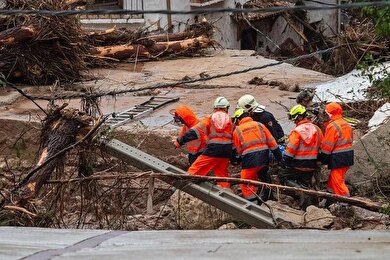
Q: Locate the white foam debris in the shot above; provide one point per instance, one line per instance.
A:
(350, 87)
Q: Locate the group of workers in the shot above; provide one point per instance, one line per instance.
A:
(252, 136)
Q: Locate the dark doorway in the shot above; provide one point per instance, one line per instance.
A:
(248, 39)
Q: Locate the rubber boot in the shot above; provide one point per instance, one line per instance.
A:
(304, 201)
(264, 176)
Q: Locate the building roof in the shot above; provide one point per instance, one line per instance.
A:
(259, 4)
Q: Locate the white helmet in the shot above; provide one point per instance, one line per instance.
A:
(221, 103)
(248, 103)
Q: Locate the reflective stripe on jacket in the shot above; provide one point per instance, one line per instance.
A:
(253, 141)
(190, 119)
(337, 144)
(303, 146)
(219, 142)
(195, 146)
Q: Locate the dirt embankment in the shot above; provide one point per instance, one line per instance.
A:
(107, 204)
(18, 140)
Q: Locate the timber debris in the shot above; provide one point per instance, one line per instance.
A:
(29, 42)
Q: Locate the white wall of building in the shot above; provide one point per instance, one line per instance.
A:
(328, 19)
(226, 28)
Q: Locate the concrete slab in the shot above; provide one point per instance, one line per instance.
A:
(196, 244)
(16, 243)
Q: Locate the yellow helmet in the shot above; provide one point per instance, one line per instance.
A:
(237, 114)
(295, 111)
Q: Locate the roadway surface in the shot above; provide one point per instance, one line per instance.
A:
(38, 243)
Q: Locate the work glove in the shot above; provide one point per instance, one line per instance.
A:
(176, 143)
(236, 160)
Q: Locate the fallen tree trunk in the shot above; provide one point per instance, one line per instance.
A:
(128, 51)
(61, 128)
(17, 35)
(179, 36)
(118, 36)
(74, 3)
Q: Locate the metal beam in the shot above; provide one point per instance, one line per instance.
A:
(224, 200)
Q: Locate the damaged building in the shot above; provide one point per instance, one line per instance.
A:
(265, 32)
(281, 31)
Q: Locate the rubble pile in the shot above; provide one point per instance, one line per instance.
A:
(356, 41)
(351, 45)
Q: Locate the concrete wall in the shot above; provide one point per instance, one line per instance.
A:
(226, 33)
(279, 32)
(328, 19)
(325, 20)
(226, 29)
(372, 160)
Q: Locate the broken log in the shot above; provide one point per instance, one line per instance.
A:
(74, 3)
(122, 52)
(128, 51)
(59, 134)
(179, 36)
(118, 36)
(17, 35)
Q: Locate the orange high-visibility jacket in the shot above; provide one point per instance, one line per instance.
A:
(336, 148)
(303, 146)
(253, 141)
(189, 119)
(219, 141)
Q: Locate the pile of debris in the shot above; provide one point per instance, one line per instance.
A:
(285, 34)
(38, 49)
(356, 41)
(351, 45)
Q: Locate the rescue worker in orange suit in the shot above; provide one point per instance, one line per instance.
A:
(217, 128)
(258, 113)
(252, 141)
(336, 149)
(185, 116)
(302, 150)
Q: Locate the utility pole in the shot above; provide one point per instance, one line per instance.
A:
(169, 17)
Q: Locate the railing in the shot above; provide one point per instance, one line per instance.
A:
(115, 4)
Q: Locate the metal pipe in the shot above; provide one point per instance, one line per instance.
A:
(169, 17)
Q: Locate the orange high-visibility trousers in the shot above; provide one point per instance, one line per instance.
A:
(249, 191)
(336, 181)
(204, 164)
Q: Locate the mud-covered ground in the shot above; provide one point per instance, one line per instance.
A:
(111, 204)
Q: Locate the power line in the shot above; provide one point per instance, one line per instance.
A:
(176, 83)
(319, 2)
(195, 11)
